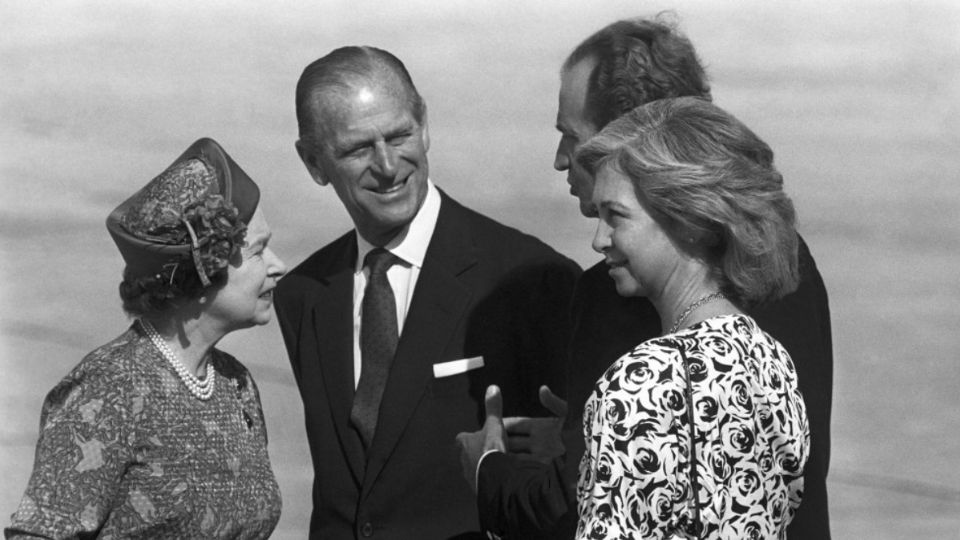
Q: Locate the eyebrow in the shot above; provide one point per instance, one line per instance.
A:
(261, 240)
(344, 147)
(611, 204)
(351, 144)
(397, 131)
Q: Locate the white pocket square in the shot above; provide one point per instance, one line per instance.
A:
(456, 367)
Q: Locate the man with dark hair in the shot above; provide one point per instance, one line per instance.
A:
(625, 65)
(395, 330)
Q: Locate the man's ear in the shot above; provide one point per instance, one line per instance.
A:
(309, 159)
(425, 130)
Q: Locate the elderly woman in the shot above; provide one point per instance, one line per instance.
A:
(701, 432)
(158, 433)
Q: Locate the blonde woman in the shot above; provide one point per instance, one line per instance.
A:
(701, 432)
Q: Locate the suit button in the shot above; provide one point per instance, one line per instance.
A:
(366, 530)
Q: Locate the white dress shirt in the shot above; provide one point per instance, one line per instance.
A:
(410, 246)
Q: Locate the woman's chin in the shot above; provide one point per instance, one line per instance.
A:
(628, 287)
(259, 319)
(262, 318)
(624, 282)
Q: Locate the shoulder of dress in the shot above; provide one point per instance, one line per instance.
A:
(113, 359)
(105, 375)
(745, 329)
(660, 348)
(652, 361)
(228, 365)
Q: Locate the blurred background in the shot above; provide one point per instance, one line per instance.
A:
(860, 101)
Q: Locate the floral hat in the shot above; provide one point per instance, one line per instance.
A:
(193, 215)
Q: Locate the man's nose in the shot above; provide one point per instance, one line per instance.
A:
(386, 159)
(561, 161)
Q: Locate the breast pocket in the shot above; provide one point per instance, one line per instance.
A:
(451, 387)
(456, 378)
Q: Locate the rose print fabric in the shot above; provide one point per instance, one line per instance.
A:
(751, 431)
(126, 451)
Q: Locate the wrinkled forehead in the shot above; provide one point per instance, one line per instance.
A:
(258, 231)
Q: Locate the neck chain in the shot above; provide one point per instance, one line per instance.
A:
(701, 301)
(201, 389)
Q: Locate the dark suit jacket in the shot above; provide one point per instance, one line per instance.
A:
(484, 290)
(530, 500)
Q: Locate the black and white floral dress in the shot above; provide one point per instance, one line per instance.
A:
(751, 437)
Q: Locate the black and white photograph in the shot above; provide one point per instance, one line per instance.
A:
(406, 270)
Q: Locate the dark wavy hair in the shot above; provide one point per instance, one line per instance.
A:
(638, 61)
(219, 236)
(711, 183)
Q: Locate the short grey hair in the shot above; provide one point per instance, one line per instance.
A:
(340, 70)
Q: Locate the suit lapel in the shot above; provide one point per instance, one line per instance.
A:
(333, 325)
(439, 303)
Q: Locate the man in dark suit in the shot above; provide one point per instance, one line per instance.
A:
(625, 65)
(395, 330)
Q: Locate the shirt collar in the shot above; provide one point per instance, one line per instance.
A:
(412, 242)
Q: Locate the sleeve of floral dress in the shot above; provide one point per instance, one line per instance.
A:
(80, 458)
(784, 416)
(628, 476)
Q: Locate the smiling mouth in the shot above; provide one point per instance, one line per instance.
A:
(393, 188)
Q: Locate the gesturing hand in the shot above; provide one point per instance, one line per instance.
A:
(538, 438)
(491, 437)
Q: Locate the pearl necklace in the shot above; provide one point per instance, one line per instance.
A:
(700, 301)
(201, 389)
